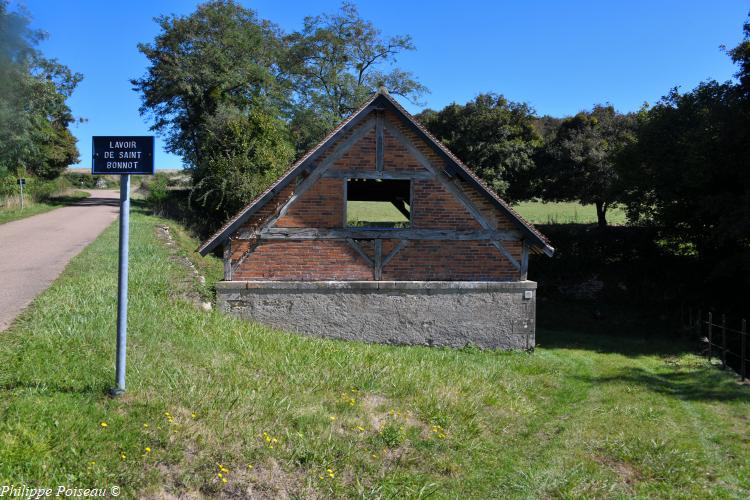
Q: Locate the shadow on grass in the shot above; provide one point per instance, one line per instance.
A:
(97, 390)
(698, 383)
(635, 344)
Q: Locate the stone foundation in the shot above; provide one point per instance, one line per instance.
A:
(496, 315)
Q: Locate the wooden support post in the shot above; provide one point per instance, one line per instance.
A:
(379, 141)
(228, 260)
(361, 252)
(723, 341)
(710, 334)
(743, 350)
(378, 260)
(393, 253)
(524, 261)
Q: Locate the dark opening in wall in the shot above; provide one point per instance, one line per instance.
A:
(378, 203)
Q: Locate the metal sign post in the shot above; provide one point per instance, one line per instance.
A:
(21, 184)
(123, 156)
(122, 286)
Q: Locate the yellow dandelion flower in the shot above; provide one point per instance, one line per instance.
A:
(249, 466)
(332, 418)
(274, 440)
(103, 424)
(219, 475)
(123, 456)
(145, 426)
(224, 480)
(360, 428)
(194, 415)
(147, 449)
(321, 477)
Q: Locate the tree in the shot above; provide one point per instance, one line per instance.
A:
(494, 136)
(34, 135)
(580, 162)
(740, 55)
(214, 88)
(335, 62)
(688, 172)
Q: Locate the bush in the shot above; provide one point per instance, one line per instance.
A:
(35, 189)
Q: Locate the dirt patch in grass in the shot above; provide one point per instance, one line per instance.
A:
(266, 480)
(627, 473)
(380, 412)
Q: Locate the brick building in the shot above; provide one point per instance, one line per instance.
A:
(380, 233)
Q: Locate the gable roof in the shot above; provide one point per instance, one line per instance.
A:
(380, 100)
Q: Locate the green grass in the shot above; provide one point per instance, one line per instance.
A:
(584, 415)
(39, 207)
(538, 212)
(374, 213)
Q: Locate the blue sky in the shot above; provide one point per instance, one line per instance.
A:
(558, 56)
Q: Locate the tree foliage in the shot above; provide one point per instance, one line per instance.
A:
(34, 115)
(579, 163)
(233, 95)
(496, 137)
(335, 62)
(213, 89)
(689, 170)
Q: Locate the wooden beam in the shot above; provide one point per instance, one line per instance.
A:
(454, 189)
(245, 255)
(393, 253)
(378, 267)
(379, 141)
(228, 260)
(372, 174)
(309, 233)
(524, 261)
(317, 173)
(361, 252)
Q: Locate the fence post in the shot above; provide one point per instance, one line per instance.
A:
(710, 335)
(743, 350)
(723, 341)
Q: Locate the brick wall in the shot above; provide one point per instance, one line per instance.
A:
(433, 207)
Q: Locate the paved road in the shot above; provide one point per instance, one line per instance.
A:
(35, 250)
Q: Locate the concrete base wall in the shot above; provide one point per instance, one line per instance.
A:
(498, 315)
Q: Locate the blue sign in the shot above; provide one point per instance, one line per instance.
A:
(123, 155)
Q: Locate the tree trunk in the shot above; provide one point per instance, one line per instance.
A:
(601, 214)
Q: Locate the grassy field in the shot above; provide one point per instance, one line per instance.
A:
(216, 405)
(360, 213)
(536, 212)
(539, 212)
(14, 212)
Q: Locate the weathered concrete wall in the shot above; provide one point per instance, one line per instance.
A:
(498, 315)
